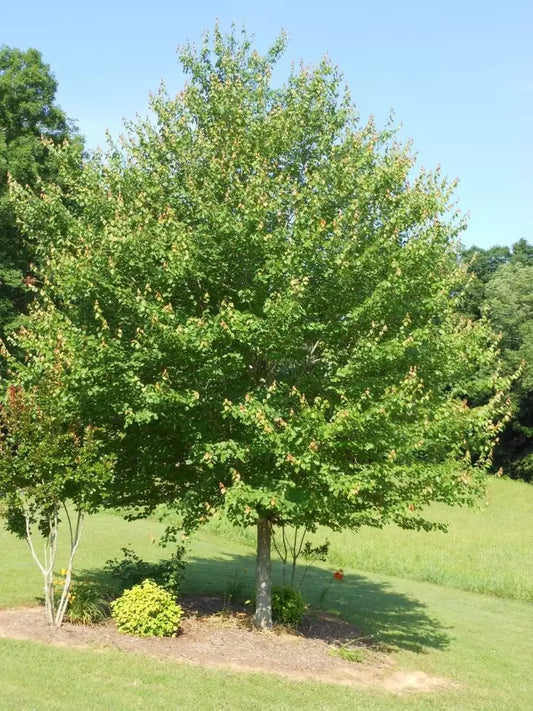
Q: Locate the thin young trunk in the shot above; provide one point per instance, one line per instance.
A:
(75, 535)
(283, 556)
(297, 553)
(55, 613)
(294, 555)
(263, 577)
(46, 568)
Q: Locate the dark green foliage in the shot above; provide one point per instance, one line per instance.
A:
(502, 290)
(522, 465)
(28, 113)
(288, 606)
(147, 610)
(46, 461)
(483, 265)
(131, 570)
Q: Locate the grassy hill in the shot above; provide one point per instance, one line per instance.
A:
(487, 550)
(481, 640)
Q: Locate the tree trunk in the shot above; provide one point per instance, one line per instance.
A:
(263, 577)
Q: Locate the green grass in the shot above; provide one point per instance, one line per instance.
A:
(488, 550)
(33, 676)
(103, 537)
(480, 641)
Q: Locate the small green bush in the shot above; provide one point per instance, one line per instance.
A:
(523, 468)
(147, 610)
(288, 606)
(131, 570)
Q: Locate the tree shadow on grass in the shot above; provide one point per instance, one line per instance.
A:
(383, 615)
(386, 616)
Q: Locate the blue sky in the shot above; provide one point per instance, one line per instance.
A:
(458, 75)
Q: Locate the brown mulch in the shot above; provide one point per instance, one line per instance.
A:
(218, 636)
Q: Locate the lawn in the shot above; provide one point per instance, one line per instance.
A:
(480, 641)
(487, 550)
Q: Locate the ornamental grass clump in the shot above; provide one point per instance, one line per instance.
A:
(147, 610)
(87, 604)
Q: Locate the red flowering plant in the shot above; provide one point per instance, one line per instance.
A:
(338, 575)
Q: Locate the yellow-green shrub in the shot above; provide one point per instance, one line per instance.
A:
(147, 610)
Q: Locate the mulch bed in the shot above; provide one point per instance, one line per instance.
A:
(220, 635)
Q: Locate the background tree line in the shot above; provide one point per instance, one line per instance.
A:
(29, 118)
(502, 290)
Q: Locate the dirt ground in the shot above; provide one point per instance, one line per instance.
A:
(211, 636)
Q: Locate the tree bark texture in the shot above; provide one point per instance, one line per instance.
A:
(263, 577)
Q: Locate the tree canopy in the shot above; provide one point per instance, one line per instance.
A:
(258, 294)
